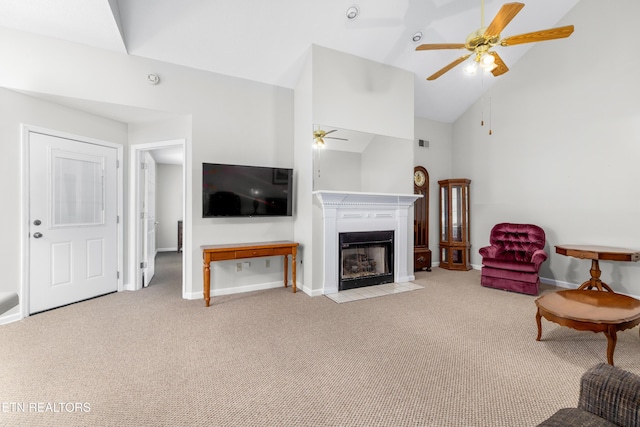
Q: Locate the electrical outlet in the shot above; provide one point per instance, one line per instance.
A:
(267, 263)
(239, 266)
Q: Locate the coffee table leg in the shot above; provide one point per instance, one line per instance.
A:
(612, 338)
(539, 322)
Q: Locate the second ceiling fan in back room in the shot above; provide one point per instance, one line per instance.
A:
(320, 135)
(480, 42)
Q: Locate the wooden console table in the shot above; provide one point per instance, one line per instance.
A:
(595, 253)
(248, 250)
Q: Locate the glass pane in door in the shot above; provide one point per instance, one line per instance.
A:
(456, 213)
(444, 220)
(457, 256)
(77, 196)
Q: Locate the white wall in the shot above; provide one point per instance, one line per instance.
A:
(437, 160)
(232, 121)
(358, 94)
(303, 174)
(337, 170)
(344, 91)
(17, 109)
(565, 145)
(387, 166)
(168, 205)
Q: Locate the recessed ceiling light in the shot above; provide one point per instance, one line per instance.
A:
(417, 37)
(352, 12)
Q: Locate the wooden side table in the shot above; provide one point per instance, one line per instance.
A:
(595, 253)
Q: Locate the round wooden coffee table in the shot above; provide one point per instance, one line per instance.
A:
(590, 310)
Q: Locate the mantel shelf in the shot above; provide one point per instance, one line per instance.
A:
(344, 198)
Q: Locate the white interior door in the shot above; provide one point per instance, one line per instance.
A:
(149, 219)
(72, 221)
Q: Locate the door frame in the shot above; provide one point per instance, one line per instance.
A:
(25, 240)
(135, 232)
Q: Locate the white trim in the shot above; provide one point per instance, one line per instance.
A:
(311, 292)
(10, 318)
(167, 250)
(25, 129)
(135, 282)
(236, 290)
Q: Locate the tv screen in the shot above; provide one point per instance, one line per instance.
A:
(244, 191)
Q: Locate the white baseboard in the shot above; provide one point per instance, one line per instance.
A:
(235, 290)
(404, 279)
(311, 292)
(167, 250)
(10, 318)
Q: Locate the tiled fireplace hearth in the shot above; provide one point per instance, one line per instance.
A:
(349, 212)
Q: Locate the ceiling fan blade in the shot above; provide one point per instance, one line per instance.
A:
(333, 137)
(439, 46)
(507, 12)
(448, 67)
(500, 66)
(331, 131)
(538, 36)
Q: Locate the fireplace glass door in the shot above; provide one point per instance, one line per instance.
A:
(366, 259)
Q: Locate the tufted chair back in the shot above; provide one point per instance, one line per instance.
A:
(516, 242)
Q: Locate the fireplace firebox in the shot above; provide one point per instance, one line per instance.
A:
(366, 259)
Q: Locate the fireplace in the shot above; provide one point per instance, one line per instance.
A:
(351, 212)
(366, 259)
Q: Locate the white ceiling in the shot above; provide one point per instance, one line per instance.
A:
(266, 41)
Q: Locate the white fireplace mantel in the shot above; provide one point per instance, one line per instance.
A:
(344, 212)
(353, 199)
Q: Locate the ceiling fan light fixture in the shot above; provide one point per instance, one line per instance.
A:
(318, 143)
(352, 12)
(417, 37)
(471, 68)
(487, 60)
(489, 68)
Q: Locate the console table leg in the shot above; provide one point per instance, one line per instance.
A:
(612, 338)
(286, 271)
(207, 283)
(539, 323)
(293, 269)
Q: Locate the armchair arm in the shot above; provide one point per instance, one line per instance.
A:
(611, 393)
(538, 257)
(488, 251)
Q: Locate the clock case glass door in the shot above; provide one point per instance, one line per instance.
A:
(454, 224)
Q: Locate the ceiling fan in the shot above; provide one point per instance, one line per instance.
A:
(319, 136)
(482, 40)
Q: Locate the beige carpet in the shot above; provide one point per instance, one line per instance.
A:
(451, 354)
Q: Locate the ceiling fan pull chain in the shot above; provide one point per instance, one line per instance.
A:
(490, 132)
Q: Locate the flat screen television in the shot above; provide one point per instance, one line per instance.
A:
(246, 191)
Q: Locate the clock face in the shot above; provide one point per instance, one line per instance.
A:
(419, 178)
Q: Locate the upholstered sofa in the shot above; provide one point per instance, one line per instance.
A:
(513, 260)
(609, 396)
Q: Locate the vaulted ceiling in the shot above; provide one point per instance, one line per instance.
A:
(266, 41)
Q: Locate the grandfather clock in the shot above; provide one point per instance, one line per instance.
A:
(421, 251)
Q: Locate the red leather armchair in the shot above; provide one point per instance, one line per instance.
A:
(514, 258)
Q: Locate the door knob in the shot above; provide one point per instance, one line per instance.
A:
(37, 235)
(37, 222)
